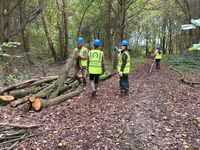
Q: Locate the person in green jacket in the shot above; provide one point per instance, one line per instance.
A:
(124, 68)
(81, 57)
(95, 65)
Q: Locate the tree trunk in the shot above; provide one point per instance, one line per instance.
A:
(63, 75)
(107, 29)
(38, 104)
(66, 40)
(23, 92)
(45, 26)
(23, 34)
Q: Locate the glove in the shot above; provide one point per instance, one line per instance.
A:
(115, 48)
(120, 74)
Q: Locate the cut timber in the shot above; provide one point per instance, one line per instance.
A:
(15, 103)
(44, 80)
(28, 83)
(46, 93)
(23, 92)
(183, 79)
(105, 76)
(189, 82)
(15, 86)
(63, 75)
(6, 98)
(38, 104)
(21, 126)
(32, 99)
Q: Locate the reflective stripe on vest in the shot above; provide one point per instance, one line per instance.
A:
(127, 67)
(95, 58)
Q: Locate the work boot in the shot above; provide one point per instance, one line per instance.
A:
(93, 93)
(122, 93)
(84, 84)
(126, 92)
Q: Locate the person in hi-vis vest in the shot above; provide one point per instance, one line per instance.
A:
(158, 56)
(124, 68)
(81, 57)
(95, 65)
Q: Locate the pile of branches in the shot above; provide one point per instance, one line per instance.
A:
(13, 135)
(45, 91)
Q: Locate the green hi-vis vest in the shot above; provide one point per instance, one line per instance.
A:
(128, 63)
(83, 53)
(158, 56)
(95, 64)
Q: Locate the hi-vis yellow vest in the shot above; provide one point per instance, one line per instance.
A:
(83, 53)
(158, 56)
(95, 64)
(128, 63)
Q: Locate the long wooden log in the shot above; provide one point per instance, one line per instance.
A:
(38, 104)
(183, 79)
(44, 80)
(13, 87)
(63, 75)
(106, 76)
(45, 94)
(28, 83)
(15, 103)
(21, 126)
(189, 82)
(24, 92)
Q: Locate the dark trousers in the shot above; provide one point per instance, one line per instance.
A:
(157, 64)
(124, 82)
(95, 77)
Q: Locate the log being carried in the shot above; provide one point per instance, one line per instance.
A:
(44, 92)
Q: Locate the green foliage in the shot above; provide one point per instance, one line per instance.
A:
(137, 51)
(10, 44)
(16, 77)
(189, 62)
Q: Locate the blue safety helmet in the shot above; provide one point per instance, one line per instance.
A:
(96, 42)
(158, 47)
(80, 40)
(124, 43)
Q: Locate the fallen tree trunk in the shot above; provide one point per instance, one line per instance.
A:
(21, 126)
(183, 79)
(189, 82)
(46, 93)
(28, 83)
(24, 92)
(15, 86)
(38, 104)
(44, 80)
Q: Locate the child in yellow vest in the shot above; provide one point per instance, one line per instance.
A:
(96, 65)
(158, 56)
(124, 68)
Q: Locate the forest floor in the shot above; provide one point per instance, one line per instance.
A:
(160, 113)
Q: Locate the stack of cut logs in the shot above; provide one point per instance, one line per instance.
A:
(13, 135)
(45, 91)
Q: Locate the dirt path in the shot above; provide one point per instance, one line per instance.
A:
(160, 113)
